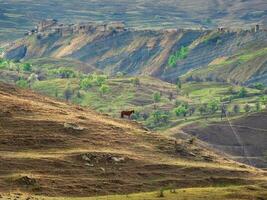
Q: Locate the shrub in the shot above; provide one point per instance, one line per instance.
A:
(26, 67)
(136, 115)
(68, 92)
(161, 193)
(213, 106)
(22, 83)
(104, 89)
(242, 93)
(136, 81)
(3, 64)
(236, 109)
(160, 117)
(145, 116)
(92, 80)
(181, 54)
(247, 108)
(86, 83)
(203, 109)
(64, 72)
(181, 110)
(33, 78)
(178, 103)
(259, 86)
(178, 84)
(258, 106)
(156, 97)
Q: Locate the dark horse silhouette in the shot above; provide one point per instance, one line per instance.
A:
(127, 113)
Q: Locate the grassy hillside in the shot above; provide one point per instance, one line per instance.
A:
(50, 148)
(218, 193)
(158, 104)
(244, 68)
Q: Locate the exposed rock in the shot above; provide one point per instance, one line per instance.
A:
(73, 126)
(25, 180)
(84, 157)
(118, 159)
(102, 169)
(89, 165)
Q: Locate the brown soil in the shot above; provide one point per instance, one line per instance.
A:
(251, 148)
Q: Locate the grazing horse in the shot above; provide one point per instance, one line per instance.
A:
(126, 113)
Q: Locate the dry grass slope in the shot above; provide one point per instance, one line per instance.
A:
(52, 148)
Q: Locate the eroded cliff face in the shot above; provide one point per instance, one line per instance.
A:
(140, 51)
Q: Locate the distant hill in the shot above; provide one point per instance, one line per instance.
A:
(16, 17)
(231, 55)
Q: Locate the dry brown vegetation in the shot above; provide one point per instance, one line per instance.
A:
(52, 148)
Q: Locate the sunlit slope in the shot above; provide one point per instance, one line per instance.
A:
(52, 148)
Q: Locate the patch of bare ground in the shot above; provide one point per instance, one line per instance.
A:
(245, 141)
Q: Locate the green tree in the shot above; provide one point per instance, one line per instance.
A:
(181, 54)
(26, 67)
(172, 61)
(156, 97)
(65, 72)
(86, 83)
(3, 64)
(243, 92)
(103, 89)
(213, 106)
(181, 110)
(100, 79)
(160, 117)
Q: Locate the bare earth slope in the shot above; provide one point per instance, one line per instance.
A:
(52, 148)
(245, 142)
